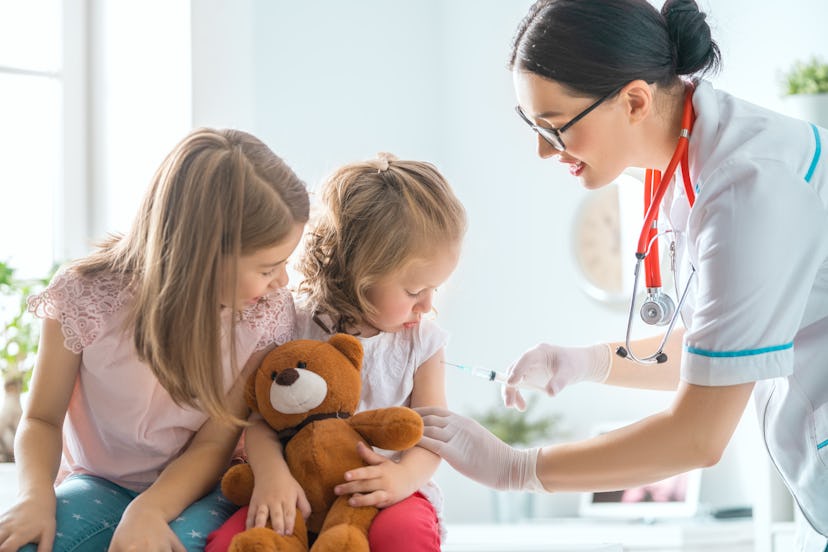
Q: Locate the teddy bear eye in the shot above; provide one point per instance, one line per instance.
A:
(273, 376)
(301, 364)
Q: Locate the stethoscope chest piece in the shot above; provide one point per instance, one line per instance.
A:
(658, 308)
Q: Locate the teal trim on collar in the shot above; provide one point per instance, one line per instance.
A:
(822, 444)
(746, 352)
(817, 152)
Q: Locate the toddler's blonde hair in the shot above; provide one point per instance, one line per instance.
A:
(376, 216)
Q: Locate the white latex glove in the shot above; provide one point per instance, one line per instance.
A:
(473, 451)
(553, 368)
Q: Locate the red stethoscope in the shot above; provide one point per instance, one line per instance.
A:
(658, 308)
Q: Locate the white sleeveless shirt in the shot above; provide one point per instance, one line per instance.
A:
(389, 363)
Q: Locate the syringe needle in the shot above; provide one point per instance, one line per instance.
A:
(492, 375)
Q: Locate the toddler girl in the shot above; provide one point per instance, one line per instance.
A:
(389, 234)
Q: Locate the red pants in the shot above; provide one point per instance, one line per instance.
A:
(408, 525)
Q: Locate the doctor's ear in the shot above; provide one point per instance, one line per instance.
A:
(637, 100)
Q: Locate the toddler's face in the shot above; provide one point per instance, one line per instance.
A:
(401, 298)
(261, 272)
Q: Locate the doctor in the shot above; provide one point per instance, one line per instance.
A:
(610, 84)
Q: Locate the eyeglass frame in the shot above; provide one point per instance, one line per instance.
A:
(553, 135)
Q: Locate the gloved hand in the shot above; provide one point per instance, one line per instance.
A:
(553, 368)
(473, 451)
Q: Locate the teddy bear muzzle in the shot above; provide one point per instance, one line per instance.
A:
(297, 390)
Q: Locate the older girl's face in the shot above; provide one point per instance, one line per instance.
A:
(260, 272)
(595, 145)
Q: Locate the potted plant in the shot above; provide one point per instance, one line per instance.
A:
(519, 429)
(19, 336)
(805, 88)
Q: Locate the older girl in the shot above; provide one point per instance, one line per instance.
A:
(144, 348)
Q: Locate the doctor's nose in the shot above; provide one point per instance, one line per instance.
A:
(546, 150)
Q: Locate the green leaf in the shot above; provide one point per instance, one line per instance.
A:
(807, 77)
(518, 428)
(19, 329)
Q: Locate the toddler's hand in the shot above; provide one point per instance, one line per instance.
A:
(553, 368)
(276, 498)
(382, 483)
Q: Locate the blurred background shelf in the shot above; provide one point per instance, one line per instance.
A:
(580, 534)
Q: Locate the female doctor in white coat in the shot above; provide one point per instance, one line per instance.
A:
(608, 84)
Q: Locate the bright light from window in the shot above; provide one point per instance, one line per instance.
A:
(31, 111)
(30, 34)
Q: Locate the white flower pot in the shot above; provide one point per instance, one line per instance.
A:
(808, 107)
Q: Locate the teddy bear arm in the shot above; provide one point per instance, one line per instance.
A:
(393, 428)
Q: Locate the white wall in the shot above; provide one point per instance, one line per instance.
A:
(139, 102)
(331, 82)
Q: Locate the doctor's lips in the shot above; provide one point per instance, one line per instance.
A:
(576, 168)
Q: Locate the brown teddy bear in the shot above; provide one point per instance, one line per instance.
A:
(307, 391)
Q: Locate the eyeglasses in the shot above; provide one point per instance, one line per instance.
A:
(553, 135)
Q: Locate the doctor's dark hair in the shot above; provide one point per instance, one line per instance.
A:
(596, 46)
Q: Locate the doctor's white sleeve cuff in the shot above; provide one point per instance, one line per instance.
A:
(719, 368)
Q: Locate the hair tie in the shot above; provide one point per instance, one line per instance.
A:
(382, 161)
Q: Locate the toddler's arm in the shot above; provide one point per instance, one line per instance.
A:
(38, 443)
(385, 482)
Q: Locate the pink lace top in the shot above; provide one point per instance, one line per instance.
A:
(121, 424)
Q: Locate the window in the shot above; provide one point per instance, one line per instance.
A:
(38, 91)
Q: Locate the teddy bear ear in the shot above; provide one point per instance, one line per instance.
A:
(349, 346)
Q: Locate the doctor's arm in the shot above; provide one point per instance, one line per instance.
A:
(665, 376)
(553, 367)
(692, 433)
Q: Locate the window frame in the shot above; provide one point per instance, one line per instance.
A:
(70, 197)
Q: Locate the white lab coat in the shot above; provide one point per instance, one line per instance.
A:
(758, 308)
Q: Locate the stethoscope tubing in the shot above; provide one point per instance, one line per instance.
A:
(647, 249)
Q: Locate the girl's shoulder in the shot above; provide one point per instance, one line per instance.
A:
(416, 344)
(309, 324)
(428, 330)
(81, 303)
(102, 291)
(272, 318)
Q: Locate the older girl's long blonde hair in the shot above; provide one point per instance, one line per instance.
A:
(375, 217)
(218, 195)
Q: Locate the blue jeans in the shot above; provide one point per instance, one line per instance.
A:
(89, 509)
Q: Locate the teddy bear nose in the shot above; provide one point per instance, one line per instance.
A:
(287, 377)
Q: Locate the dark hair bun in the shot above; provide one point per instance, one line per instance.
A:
(694, 50)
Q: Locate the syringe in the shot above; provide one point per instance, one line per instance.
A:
(491, 375)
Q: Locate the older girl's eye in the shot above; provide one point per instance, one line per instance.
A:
(269, 273)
